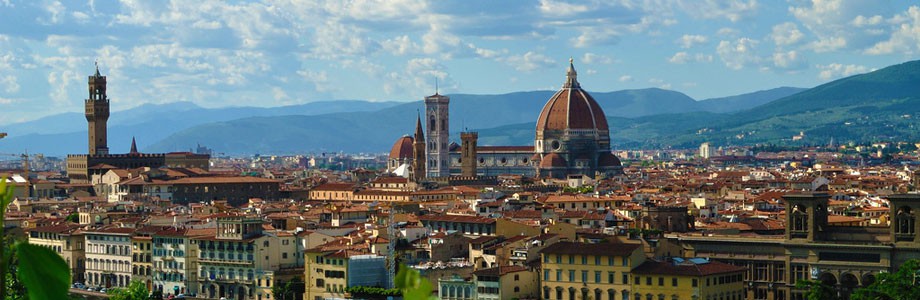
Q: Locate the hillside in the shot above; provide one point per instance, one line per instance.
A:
(376, 131)
(180, 126)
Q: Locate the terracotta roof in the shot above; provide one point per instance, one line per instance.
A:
(571, 108)
(686, 268)
(402, 148)
(553, 160)
(457, 218)
(591, 249)
(500, 270)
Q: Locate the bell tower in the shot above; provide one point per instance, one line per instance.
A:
(468, 153)
(437, 119)
(806, 216)
(97, 114)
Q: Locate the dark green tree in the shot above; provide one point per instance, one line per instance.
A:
(904, 284)
(817, 290)
(137, 290)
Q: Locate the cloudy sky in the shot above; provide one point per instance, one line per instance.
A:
(226, 53)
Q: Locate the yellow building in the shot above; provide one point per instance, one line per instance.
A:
(327, 273)
(580, 271)
(688, 279)
(506, 283)
(67, 241)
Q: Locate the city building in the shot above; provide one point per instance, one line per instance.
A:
(602, 271)
(108, 256)
(67, 241)
(694, 278)
(243, 261)
(81, 167)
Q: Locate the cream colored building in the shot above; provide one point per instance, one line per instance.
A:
(572, 271)
(242, 261)
(108, 257)
(67, 241)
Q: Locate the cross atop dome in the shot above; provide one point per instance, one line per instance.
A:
(571, 77)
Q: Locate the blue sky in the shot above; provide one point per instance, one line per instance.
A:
(271, 53)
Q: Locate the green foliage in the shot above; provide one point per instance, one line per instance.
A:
(816, 290)
(372, 292)
(137, 290)
(288, 290)
(42, 271)
(580, 190)
(73, 218)
(39, 272)
(904, 284)
(413, 285)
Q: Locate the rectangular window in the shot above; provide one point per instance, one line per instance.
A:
(545, 258)
(660, 281)
(545, 275)
(584, 276)
(558, 259)
(558, 275)
(636, 280)
(674, 281)
(584, 259)
(571, 259)
(648, 280)
(611, 276)
(571, 275)
(610, 260)
(695, 283)
(597, 260)
(625, 261)
(597, 276)
(626, 279)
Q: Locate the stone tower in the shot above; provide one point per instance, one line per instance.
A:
(436, 113)
(806, 216)
(97, 114)
(418, 152)
(468, 153)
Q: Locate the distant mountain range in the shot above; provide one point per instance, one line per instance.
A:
(881, 105)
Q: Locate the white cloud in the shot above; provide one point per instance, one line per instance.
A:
(420, 74)
(738, 54)
(679, 58)
(732, 10)
(626, 78)
(728, 32)
(790, 60)
(561, 9)
(786, 34)
(842, 24)
(689, 40)
(528, 62)
(591, 58)
(904, 39)
(836, 70)
(828, 44)
(660, 83)
(319, 79)
(9, 84)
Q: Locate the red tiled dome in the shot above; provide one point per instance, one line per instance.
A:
(553, 160)
(402, 148)
(571, 108)
(607, 159)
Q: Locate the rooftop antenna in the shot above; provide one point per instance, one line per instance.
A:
(436, 85)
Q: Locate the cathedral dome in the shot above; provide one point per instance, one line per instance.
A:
(607, 159)
(571, 108)
(402, 148)
(553, 160)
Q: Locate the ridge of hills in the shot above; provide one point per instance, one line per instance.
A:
(328, 125)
